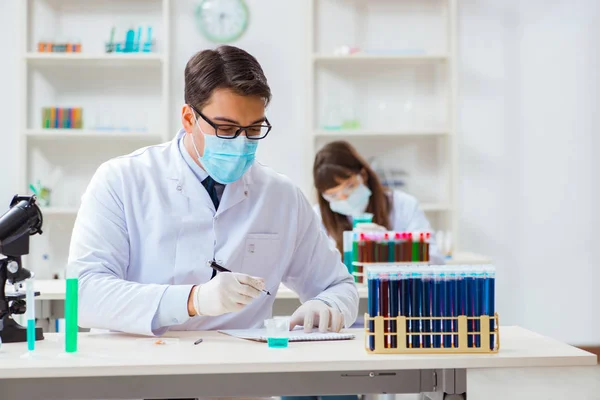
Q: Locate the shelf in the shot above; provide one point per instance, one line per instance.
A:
(59, 211)
(367, 132)
(54, 134)
(78, 59)
(380, 58)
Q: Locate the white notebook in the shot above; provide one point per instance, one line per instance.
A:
(260, 335)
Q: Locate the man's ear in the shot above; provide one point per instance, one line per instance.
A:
(188, 118)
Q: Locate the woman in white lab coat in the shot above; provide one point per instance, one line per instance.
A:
(348, 186)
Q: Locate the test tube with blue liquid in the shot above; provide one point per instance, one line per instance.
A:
(490, 284)
(373, 303)
(436, 306)
(416, 308)
(30, 313)
(447, 282)
(471, 306)
(454, 309)
(348, 250)
(480, 300)
(427, 286)
(71, 309)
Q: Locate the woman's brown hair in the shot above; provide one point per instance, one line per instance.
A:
(334, 163)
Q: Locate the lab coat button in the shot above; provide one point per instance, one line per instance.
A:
(179, 188)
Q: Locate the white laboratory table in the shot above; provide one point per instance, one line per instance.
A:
(119, 366)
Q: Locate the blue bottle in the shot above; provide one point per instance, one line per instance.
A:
(490, 284)
(405, 299)
(461, 294)
(416, 286)
(373, 304)
(129, 41)
(471, 305)
(436, 307)
(427, 286)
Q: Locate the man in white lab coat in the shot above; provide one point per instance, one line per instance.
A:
(150, 221)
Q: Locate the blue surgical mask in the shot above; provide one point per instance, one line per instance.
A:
(226, 160)
(356, 203)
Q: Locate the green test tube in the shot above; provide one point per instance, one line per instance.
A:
(347, 246)
(354, 247)
(416, 246)
(71, 310)
(391, 247)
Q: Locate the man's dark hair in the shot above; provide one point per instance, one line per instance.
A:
(226, 67)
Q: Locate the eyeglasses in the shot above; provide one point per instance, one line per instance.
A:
(344, 191)
(229, 131)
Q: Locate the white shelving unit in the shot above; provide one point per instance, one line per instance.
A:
(400, 87)
(126, 91)
(106, 60)
(68, 134)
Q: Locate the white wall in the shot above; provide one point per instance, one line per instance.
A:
(528, 87)
(9, 181)
(528, 76)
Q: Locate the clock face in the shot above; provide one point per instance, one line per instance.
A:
(222, 21)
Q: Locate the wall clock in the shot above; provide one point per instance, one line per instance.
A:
(222, 21)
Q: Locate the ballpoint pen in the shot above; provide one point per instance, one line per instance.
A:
(214, 265)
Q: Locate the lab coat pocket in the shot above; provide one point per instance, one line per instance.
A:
(262, 253)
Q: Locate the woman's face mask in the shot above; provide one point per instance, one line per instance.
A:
(355, 201)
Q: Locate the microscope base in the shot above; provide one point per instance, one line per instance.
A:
(14, 333)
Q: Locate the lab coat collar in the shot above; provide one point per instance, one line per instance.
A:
(179, 172)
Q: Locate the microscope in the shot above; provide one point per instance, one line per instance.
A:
(22, 220)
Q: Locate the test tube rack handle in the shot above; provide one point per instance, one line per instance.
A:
(380, 335)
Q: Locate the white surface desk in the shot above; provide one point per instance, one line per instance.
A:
(116, 366)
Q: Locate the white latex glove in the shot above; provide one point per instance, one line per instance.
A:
(315, 313)
(227, 292)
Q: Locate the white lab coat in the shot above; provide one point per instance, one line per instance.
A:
(405, 216)
(146, 222)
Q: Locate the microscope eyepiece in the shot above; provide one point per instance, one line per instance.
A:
(23, 218)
